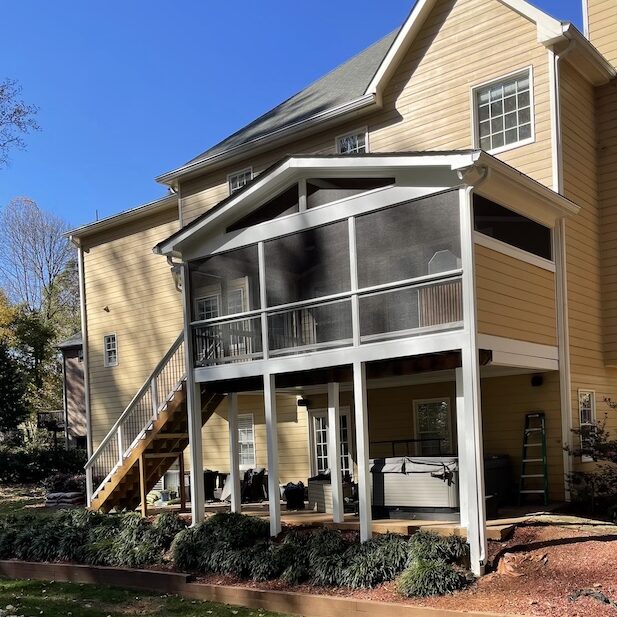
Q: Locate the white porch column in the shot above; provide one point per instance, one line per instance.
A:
(334, 452)
(234, 453)
(274, 497)
(193, 409)
(471, 468)
(362, 447)
(462, 449)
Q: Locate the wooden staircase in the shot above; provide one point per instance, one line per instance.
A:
(120, 474)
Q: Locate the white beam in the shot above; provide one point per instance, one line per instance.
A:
(274, 497)
(193, 409)
(234, 453)
(362, 450)
(334, 452)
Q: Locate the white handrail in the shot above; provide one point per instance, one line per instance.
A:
(115, 437)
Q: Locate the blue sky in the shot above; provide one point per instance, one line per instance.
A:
(130, 89)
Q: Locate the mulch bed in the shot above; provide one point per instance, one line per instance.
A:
(543, 566)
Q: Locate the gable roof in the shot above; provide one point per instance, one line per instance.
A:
(358, 83)
(341, 87)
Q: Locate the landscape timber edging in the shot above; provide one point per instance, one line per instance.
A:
(305, 604)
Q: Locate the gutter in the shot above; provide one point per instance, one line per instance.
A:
(287, 132)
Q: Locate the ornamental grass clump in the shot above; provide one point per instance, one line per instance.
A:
(425, 578)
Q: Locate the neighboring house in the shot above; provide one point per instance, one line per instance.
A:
(73, 391)
(431, 263)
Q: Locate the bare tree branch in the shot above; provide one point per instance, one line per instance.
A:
(16, 119)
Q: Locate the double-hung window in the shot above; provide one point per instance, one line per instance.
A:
(110, 350)
(433, 426)
(504, 112)
(320, 455)
(587, 416)
(246, 441)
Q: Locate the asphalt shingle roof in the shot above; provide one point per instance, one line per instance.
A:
(342, 85)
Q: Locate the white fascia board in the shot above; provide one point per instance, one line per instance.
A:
(503, 345)
(294, 167)
(278, 135)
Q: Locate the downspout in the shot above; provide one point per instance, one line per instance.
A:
(84, 337)
(65, 401)
(559, 248)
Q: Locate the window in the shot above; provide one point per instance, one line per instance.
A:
(503, 112)
(514, 229)
(353, 143)
(587, 416)
(207, 307)
(110, 349)
(433, 431)
(239, 179)
(320, 443)
(246, 441)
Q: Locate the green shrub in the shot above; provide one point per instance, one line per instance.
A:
(268, 561)
(238, 530)
(433, 547)
(36, 462)
(167, 526)
(430, 578)
(186, 549)
(65, 483)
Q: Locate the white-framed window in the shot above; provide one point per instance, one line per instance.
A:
(207, 307)
(246, 441)
(239, 179)
(503, 112)
(319, 442)
(352, 143)
(433, 424)
(110, 350)
(587, 417)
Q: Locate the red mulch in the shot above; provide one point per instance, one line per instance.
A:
(547, 565)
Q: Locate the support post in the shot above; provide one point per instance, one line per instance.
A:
(193, 408)
(181, 485)
(234, 453)
(154, 392)
(274, 497)
(334, 452)
(120, 445)
(143, 496)
(461, 431)
(362, 448)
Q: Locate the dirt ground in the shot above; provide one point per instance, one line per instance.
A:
(541, 567)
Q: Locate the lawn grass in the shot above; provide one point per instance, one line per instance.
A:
(34, 598)
(20, 499)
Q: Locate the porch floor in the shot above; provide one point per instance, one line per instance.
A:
(498, 529)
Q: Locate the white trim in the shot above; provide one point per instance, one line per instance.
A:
(362, 450)
(359, 131)
(424, 401)
(234, 453)
(240, 172)
(106, 362)
(274, 493)
(334, 452)
(514, 346)
(586, 19)
(512, 251)
(499, 80)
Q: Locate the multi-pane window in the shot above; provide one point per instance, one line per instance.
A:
(433, 426)
(110, 350)
(503, 112)
(239, 179)
(207, 307)
(246, 441)
(320, 438)
(587, 416)
(354, 143)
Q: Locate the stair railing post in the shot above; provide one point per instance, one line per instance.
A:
(155, 397)
(89, 489)
(120, 445)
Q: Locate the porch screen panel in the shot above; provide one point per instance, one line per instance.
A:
(225, 284)
(307, 265)
(310, 328)
(409, 240)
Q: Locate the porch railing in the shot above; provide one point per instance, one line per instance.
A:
(143, 410)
